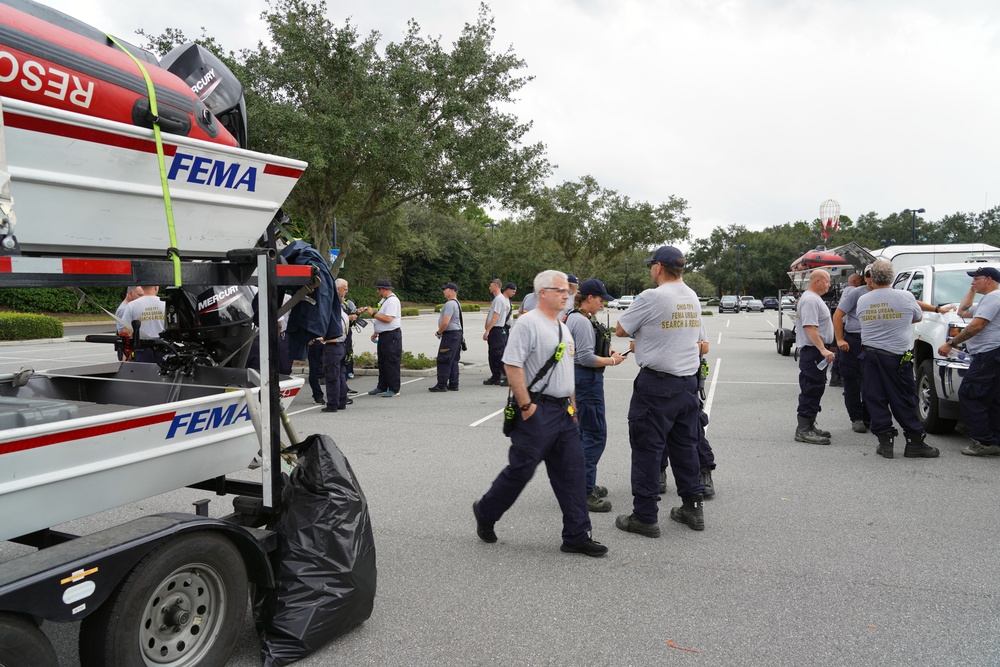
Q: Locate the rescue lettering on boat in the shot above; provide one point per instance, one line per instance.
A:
(34, 77)
(189, 423)
(208, 171)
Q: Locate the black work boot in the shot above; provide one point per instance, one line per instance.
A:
(820, 432)
(805, 432)
(691, 513)
(835, 379)
(663, 481)
(885, 443)
(706, 481)
(917, 448)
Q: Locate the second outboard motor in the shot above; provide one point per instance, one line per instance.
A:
(213, 83)
(218, 317)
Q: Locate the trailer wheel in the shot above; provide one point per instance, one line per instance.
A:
(927, 401)
(23, 644)
(784, 345)
(182, 605)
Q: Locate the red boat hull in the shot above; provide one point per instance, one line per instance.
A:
(49, 65)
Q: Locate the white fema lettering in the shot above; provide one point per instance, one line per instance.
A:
(34, 76)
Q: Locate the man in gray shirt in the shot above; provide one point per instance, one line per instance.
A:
(887, 316)
(666, 324)
(449, 331)
(847, 332)
(539, 364)
(979, 395)
(495, 334)
(813, 332)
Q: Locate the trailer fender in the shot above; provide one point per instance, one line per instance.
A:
(69, 581)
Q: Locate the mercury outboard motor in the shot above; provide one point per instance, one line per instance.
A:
(216, 320)
(213, 83)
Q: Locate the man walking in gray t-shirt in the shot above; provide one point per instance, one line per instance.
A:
(539, 365)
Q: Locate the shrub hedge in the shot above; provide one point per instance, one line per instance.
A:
(409, 312)
(466, 308)
(59, 299)
(24, 326)
(419, 362)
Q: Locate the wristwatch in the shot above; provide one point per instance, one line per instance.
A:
(524, 408)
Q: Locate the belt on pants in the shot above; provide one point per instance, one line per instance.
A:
(869, 348)
(545, 398)
(333, 342)
(663, 374)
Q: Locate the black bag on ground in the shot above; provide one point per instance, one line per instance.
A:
(325, 573)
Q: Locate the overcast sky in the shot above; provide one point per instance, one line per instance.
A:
(754, 111)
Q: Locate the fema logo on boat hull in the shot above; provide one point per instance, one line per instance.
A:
(189, 423)
(217, 173)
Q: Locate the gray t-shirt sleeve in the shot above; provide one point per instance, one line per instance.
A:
(583, 339)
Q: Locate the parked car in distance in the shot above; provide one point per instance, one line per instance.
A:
(788, 303)
(745, 301)
(624, 301)
(612, 304)
(770, 303)
(729, 303)
(755, 306)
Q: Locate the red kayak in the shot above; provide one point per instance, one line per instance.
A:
(817, 258)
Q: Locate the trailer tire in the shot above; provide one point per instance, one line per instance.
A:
(23, 644)
(927, 401)
(784, 345)
(182, 605)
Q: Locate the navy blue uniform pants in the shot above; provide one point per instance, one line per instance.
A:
(390, 355)
(591, 417)
(663, 414)
(853, 376)
(812, 382)
(315, 357)
(336, 375)
(890, 392)
(553, 437)
(706, 457)
(449, 354)
(496, 339)
(979, 398)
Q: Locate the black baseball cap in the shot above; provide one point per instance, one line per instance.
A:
(668, 255)
(451, 286)
(383, 283)
(988, 271)
(594, 287)
(511, 286)
(572, 280)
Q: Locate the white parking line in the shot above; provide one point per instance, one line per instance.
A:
(720, 339)
(711, 389)
(727, 323)
(771, 324)
(487, 418)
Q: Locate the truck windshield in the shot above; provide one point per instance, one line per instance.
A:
(951, 286)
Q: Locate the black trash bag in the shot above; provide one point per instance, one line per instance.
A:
(325, 562)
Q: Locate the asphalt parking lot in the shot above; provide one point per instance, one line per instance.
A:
(812, 555)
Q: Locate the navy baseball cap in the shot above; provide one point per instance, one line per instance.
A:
(594, 287)
(572, 280)
(383, 283)
(451, 286)
(511, 286)
(988, 271)
(668, 255)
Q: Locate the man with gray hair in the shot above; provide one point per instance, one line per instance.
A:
(887, 316)
(539, 364)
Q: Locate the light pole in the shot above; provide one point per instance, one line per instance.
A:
(493, 247)
(913, 223)
(739, 249)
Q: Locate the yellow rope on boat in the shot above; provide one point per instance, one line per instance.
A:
(172, 252)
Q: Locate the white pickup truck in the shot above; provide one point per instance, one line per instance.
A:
(938, 379)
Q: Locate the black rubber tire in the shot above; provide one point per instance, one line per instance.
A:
(200, 576)
(927, 401)
(23, 644)
(786, 345)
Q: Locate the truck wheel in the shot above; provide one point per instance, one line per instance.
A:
(777, 340)
(927, 401)
(182, 605)
(23, 644)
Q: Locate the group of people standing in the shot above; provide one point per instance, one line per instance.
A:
(872, 330)
(554, 361)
